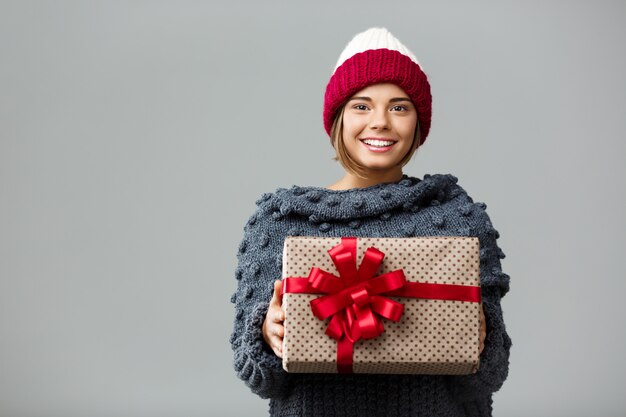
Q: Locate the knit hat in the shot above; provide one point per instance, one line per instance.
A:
(376, 56)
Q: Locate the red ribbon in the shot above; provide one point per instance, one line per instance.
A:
(354, 296)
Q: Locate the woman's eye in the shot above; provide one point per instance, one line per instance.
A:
(360, 107)
(399, 108)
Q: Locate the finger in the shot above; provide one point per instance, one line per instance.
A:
(274, 295)
(278, 286)
(276, 332)
(278, 352)
(277, 346)
(275, 313)
(279, 317)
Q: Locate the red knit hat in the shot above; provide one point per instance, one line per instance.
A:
(372, 57)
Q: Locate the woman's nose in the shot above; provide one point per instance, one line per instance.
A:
(379, 120)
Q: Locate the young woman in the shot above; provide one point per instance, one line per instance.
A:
(377, 111)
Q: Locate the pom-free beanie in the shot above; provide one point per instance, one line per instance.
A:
(376, 56)
(434, 206)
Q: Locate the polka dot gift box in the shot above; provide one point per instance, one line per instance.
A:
(381, 305)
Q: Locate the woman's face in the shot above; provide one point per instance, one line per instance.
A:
(379, 124)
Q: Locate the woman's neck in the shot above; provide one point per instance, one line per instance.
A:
(373, 178)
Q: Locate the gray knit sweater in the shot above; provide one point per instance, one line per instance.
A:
(433, 206)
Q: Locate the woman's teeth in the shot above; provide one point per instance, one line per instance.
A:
(379, 143)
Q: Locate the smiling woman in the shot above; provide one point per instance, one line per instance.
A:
(377, 111)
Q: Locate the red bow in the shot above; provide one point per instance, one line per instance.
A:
(352, 298)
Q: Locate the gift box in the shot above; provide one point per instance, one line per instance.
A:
(381, 305)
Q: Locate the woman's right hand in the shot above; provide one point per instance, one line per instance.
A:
(273, 330)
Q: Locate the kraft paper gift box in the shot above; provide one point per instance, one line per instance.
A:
(404, 306)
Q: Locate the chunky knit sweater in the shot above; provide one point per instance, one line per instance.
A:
(433, 206)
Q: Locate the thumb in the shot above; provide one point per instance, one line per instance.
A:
(277, 297)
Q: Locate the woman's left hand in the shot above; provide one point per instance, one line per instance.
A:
(483, 328)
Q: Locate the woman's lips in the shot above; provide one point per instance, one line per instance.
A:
(378, 149)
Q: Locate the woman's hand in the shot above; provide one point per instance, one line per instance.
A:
(273, 330)
(483, 328)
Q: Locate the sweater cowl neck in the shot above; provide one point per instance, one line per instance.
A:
(323, 204)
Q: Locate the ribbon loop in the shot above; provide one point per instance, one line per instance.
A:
(370, 263)
(344, 258)
(324, 282)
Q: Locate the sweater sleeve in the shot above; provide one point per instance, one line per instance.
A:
(257, 268)
(494, 359)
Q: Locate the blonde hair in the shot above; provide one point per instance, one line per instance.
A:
(344, 158)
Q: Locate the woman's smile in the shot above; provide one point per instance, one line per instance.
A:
(378, 144)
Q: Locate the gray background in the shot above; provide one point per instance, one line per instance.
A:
(136, 136)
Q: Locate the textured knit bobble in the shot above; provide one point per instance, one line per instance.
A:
(437, 218)
(248, 292)
(324, 227)
(358, 203)
(285, 209)
(264, 240)
(466, 209)
(297, 190)
(408, 229)
(355, 224)
(294, 231)
(242, 246)
(314, 196)
(264, 197)
(376, 56)
(255, 268)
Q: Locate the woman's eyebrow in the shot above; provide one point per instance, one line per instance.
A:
(393, 100)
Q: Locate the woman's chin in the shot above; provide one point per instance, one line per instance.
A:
(378, 167)
(378, 163)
